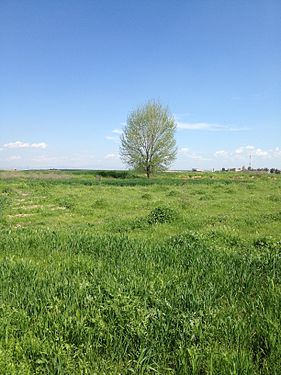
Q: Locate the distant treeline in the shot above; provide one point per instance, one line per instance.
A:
(249, 169)
(103, 173)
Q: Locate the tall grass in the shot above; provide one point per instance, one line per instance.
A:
(179, 274)
(74, 302)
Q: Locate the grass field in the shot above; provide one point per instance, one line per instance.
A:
(110, 273)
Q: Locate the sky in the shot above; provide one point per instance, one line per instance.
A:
(72, 71)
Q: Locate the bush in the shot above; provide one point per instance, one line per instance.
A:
(267, 242)
(115, 174)
(161, 215)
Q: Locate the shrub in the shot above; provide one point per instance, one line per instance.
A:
(160, 215)
(115, 174)
(267, 242)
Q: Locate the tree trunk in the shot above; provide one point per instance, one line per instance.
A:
(148, 171)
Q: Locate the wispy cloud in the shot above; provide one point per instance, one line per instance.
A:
(117, 131)
(112, 138)
(186, 152)
(208, 127)
(221, 154)
(111, 157)
(20, 144)
(39, 145)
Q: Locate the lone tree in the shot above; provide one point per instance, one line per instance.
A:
(148, 141)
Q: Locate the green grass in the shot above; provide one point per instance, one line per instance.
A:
(178, 275)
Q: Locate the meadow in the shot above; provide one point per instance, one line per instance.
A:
(106, 272)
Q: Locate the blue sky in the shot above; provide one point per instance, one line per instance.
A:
(71, 71)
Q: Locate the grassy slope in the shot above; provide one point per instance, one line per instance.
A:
(90, 284)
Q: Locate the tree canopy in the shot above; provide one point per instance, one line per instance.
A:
(148, 140)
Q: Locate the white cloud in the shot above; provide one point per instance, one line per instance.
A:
(208, 127)
(260, 152)
(114, 138)
(17, 144)
(194, 126)
(239, 151)
(20, 144)
(276, 152)
(111, 157)
(221, 153)
(117, 131)
(186, 152)
(245, 152)
(38, 145)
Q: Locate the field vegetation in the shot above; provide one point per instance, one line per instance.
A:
(107, 272)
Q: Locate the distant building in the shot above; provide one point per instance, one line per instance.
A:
(197, 170)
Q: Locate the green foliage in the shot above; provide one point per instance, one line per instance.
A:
(267, 242)
(161, 215)
(148, 143)
(115, 174)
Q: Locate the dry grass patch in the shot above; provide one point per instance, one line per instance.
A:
(19, 215)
